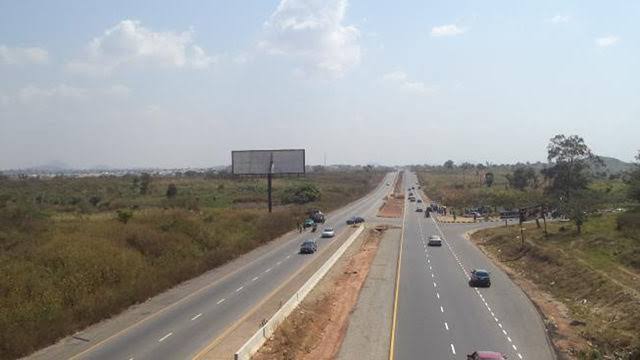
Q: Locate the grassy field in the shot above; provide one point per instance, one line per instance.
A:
(595, 274)
(67, 260)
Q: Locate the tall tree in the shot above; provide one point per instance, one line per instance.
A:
(145, 183)
(522, 177)
(634, 181)
(569, 159)
(488, 179)
(448, 164)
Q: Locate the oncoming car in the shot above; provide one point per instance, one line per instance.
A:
(480, 277)
(434, 240)
(486, 355)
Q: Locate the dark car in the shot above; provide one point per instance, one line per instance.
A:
(480, 277)
(419, 210)
(419, 200)
(308, 247)
(486, 355)
(355, 220)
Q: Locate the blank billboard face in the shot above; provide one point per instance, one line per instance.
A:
(257, 162)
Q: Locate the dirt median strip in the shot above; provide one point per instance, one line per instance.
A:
(316, 329)
(393, 203)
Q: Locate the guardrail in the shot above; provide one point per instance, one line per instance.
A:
(258, 339)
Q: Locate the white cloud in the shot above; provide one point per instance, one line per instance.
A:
(23, 55)
(447, 30)
(313, 31)
(129, 43)
(560, 19)
(402, 80)
(607, 41)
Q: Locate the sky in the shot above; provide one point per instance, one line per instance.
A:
(182, 84)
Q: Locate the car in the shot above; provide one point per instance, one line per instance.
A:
(419, 209)
(419, 200)
(308, 223)
(328, 233)
(480, 277)
(308, 246)
(434, 240)
(355, 220)
(486, 355)
(412, 199)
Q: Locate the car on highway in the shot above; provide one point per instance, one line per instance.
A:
(434, 240)
(419, 209)
(480, 277)
(309, 246)
(419, 200)
(486, 355)
(308, 223)
(328, 233)
(355, 220)
(412, 199)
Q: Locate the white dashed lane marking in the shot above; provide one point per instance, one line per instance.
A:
(165, 337)
(195, 317)
(220, 301)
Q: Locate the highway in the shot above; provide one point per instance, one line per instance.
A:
(439, 316)
(180, 330)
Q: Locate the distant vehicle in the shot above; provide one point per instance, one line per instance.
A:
(486, 355)
(412, 199)
(419, 200)
(480, 277)
(355, 220)
(328, 233)
(308, 223)
(419, 209)
(434, 240)
(309, 246)
(317, 216)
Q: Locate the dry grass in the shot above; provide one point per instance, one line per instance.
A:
(63, 267)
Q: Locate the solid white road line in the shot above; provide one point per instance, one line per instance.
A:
(165, 337)
(195, 317)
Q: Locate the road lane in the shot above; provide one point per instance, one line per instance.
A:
(441, 317)
(224, 301)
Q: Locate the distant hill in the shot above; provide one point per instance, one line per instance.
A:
(613, 165)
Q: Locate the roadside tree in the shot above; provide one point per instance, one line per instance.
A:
(568, 175)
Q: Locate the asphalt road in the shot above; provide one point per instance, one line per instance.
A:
(439, 316)
(183, 328)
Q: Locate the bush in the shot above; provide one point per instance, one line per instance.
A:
(301, 194)
(124, 216)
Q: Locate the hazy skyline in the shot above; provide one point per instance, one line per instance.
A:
(159, 84)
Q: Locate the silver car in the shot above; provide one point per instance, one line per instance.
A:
(328, 233)
(434, 240)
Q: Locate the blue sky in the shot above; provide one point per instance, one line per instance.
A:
(160, 83)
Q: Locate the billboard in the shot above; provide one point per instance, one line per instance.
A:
(258, 162)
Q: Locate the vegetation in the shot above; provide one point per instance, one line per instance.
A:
(74, 251)
(595, 274)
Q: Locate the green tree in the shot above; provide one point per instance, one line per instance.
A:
(634, 181)
(94, 200)
(145, 183)
(522, 177)
(569, 176)
(124, 216)
(301, 194)
(488, 179)
(172, 191)
(449, 164)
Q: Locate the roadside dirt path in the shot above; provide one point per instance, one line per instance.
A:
(316, 329)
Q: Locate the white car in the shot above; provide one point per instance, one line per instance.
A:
(328, 233)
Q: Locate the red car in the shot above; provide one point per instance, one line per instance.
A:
(486, 355)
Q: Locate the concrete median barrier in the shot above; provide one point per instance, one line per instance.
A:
(258, 339)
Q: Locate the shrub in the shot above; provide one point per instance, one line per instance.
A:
(172, 191)
(124, 216)
(301, 194)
